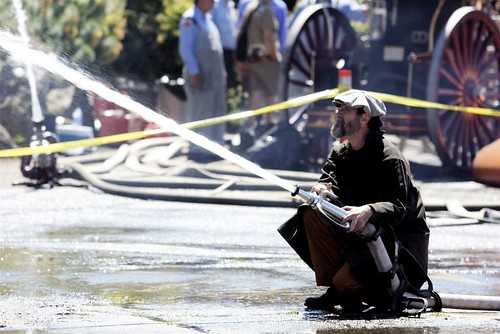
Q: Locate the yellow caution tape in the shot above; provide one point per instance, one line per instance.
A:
(64, 146)
(411, 102)
(301, 100)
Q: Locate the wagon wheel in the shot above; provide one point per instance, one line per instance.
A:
(320, 41)
(464, 72)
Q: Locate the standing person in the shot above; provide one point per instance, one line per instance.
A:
(369, 175)
(264, 58)
(204, 73)
(280, 10)
(224, 17)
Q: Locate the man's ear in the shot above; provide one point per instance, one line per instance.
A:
(365, 118)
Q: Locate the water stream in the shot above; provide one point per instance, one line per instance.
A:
(21, 51)
(36, 109)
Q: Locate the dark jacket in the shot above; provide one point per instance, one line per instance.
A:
(377, 175)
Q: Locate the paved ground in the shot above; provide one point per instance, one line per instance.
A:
(80, 260)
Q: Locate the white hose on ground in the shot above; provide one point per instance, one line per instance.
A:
(470, 302)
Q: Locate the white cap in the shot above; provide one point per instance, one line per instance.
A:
(360, 99)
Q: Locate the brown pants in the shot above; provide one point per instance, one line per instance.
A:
(330, 267)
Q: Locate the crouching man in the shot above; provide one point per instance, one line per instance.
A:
(373, 183)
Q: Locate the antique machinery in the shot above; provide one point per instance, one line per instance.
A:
(445, 51)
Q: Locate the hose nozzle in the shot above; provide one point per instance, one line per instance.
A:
(330, 211)
(333, 213)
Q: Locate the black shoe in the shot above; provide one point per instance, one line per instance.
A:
(326, 301)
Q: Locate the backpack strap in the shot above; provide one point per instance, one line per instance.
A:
(247, 19)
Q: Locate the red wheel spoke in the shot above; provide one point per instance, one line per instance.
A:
(480, 44)
(455, 46)
(464, 46)
(454, 128)
(448, 92)
(454, 80)
(448, 120)
(487, 127)
(451, 62)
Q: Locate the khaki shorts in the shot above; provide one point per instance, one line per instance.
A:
(263, 75)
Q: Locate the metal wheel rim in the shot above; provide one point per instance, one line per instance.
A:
(465, 72)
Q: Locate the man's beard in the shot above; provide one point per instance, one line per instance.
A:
(337, 130)
(343, 129)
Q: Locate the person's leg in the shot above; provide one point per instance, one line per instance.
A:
(344, 282)
(202, 104)
(330, 268)
(273, 117)
(269, 78)
(257, 98)
(256, 92)
(323, 246)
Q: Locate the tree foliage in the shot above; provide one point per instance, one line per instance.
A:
(150, 45)
(133, 38)
(85, 31)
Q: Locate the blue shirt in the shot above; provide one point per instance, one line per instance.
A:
(224, 17)
(281, 11)
(192, 20)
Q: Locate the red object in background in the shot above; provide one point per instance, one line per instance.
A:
(101, 105)
(153, 126)
(117, 121)
(345, 80)
(114, 119)
(486, 164)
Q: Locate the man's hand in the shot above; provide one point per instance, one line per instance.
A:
(320, 187)
(358, 216)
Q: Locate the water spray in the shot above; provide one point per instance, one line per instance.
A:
(41, 168)
(37, 115)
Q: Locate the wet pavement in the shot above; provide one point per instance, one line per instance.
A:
(82, 260)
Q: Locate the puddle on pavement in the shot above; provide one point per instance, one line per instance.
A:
(126, 278)
(128, 273)
(152, 269)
